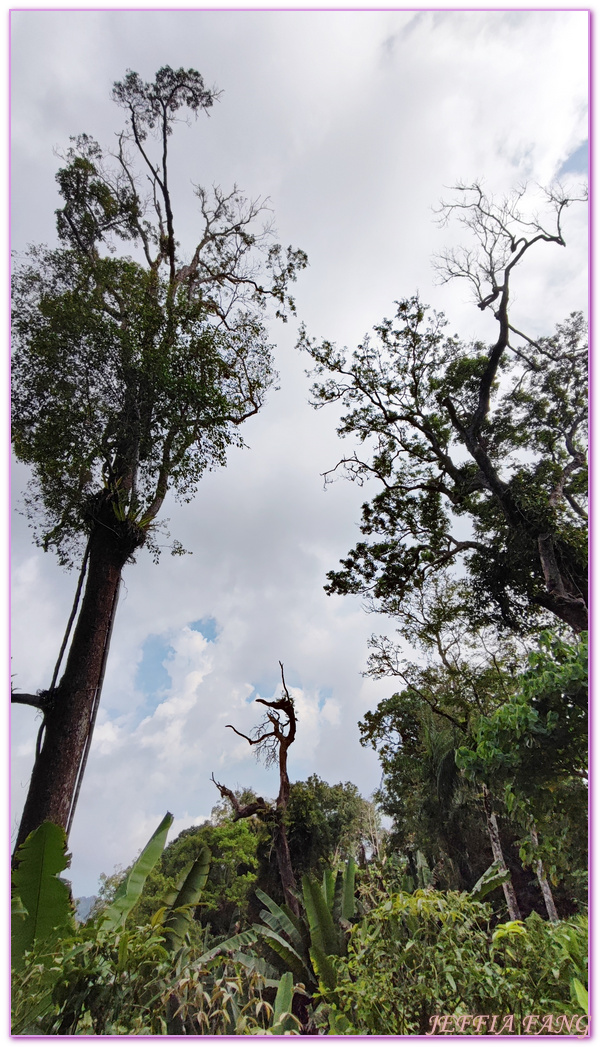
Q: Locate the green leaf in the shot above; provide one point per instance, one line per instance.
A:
(131, 888)
(493, 877)
(323, 933)
(178, 919)
(16, 906)
(44, 898)
(290, 957)
(283, 999)
(329, 878)
(279, 920)
(581, 993)
(324, 967)
(231, 944)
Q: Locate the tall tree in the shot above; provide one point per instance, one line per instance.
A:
(533, 749)
(479, 450)
(417, 732)
(131, 376)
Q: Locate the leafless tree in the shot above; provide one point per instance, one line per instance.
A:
(272, 738)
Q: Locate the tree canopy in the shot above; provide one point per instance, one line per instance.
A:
(478, 450)
(132, 374)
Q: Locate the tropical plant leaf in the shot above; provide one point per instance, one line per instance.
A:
(290, 957)
(581, 993)
(256, 963)
(44, 897)
(299, 922)
(283, 999)
(283, 1019)
(131, 888)
(494, 876)
(323, 933)
(249, 937)
(329, 883)
(279, 920)
(324, 967)
(178, 919)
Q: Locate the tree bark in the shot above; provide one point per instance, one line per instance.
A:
(494, 835)
(70, 707)
(284, 864)
(543, 881)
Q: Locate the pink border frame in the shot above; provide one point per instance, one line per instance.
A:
(591, 722)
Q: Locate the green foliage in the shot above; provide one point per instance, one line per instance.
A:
(449, 429)
(493, 877)
(159, 358)
(326, 823)
(179, 914)
(533, 750)
(127, 983)
(437, 953)
(132, 885)
(231, 877)
(283, 1020)
(303, 945)
(42, 910)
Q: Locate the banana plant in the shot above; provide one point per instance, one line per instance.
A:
(303, 944)
(42, 910)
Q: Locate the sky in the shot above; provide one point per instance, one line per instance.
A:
(353, 124)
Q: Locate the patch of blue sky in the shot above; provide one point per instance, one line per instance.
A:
(577, 162)
(152, 677)
(208, 627)
(271, 684)
(324, 694)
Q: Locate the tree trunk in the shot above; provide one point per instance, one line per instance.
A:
(284, 864)
(494, 835)
(68, 717)
(543, 881)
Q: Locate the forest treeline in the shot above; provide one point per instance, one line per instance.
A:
(465, 909)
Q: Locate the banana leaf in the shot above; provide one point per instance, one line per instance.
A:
(329, 884)
(290, 957)
(249, 937)
(286, 922)
(44, 898)
(131, 888)
(283, 1020)
(323, 932)
(324, 967)
(178, 919)
(493, 877)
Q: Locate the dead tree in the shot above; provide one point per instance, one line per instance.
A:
(273, 738)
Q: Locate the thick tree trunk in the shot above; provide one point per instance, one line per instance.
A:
(494, 835)
(68, 716)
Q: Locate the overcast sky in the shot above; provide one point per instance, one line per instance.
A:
(353, 123)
